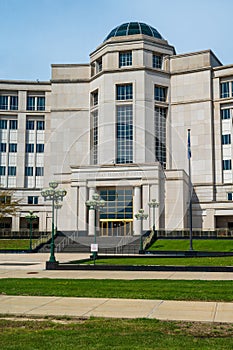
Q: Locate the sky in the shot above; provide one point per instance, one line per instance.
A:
(38, 33)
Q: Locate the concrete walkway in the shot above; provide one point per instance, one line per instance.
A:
(116, 308)
(33, 266)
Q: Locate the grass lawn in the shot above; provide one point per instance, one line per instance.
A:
(206, 261)
(135, 289)
(99, 334)
(14, 243)
(209, 245)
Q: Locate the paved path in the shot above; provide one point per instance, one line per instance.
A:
(33, 266)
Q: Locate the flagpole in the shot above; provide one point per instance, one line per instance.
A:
(190, 195)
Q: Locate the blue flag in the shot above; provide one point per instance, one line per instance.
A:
(189, 145)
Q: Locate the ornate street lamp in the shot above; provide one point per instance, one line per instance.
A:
(153, 204)
(53, 195)
(141, 216)
(30, 218)
(95, 204)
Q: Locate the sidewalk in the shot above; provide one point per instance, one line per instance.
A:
(117, 308)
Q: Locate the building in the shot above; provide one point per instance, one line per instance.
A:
(118, 126)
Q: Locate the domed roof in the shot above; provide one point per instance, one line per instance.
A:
(132, 28)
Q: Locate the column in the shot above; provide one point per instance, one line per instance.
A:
(136, 207)
(91, 215)
(146, 199)
(82, 209)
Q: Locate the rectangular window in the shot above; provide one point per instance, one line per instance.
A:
(3, 147)
(40, 148)
(225, 113)
(40, 125)
(13, 124)
(224, 90)
(160, 135)
(39, 171)
(29, 147)
(226, 139)
(94, 137)
(3, 102)
(160, 93)
(124, 134)
(125, 58)
(229, 196)
(40, 103)
(226, 164)
(124, 92)
(99, 65)
(30, 124)
(2, 170)
(31, 103)
(157, 61)
(94, 98)
(13, 147)
(28, 171)
(3, 124)
(13, 103)
(33, 200)
(12, 170)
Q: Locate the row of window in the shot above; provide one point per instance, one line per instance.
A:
(34, 103)
(30, 124)
(125, 92)
(39, 171)
(29, 147)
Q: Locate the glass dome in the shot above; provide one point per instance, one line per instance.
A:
(132, 28)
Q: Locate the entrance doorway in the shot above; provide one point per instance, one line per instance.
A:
(116, 228)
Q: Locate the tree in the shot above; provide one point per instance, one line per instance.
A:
(8, 204)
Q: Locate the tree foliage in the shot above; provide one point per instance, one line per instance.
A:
(8, 204)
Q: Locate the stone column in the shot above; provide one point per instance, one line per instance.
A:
(145, 206)
(82, 209)
(136, 207)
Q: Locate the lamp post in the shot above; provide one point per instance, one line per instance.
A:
(153, 204)
(57, 205)
(30, 218)
(53, 195)
(94, 204)
(141, 216)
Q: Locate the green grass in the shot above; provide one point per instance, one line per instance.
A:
(209, 245)
(135, 289)
(99, 334)
(206, 261)
(14, 244)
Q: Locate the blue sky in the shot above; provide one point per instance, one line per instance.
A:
(37, 33)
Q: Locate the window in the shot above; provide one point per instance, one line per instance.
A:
(33, 199)
(157, 61)
(225, 113)
(40, 125)
(39, 171)
(3, 124)
(226, 164)
(124, 134)
(99, 66)
(94, 137)
(94, 98)
(28, 171)
(13, 124)
(160, 135)
(8, 102)
(2, 170)
(30, 124)
(29, 147)
(125, 58)
(118, 204)
(160, 93)
(3, 147)
(124, 92)
(226, 139)
(35, 103)
(40, 148)
(13, 147)
(12, 170)
(225, 89)
(229, 196)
